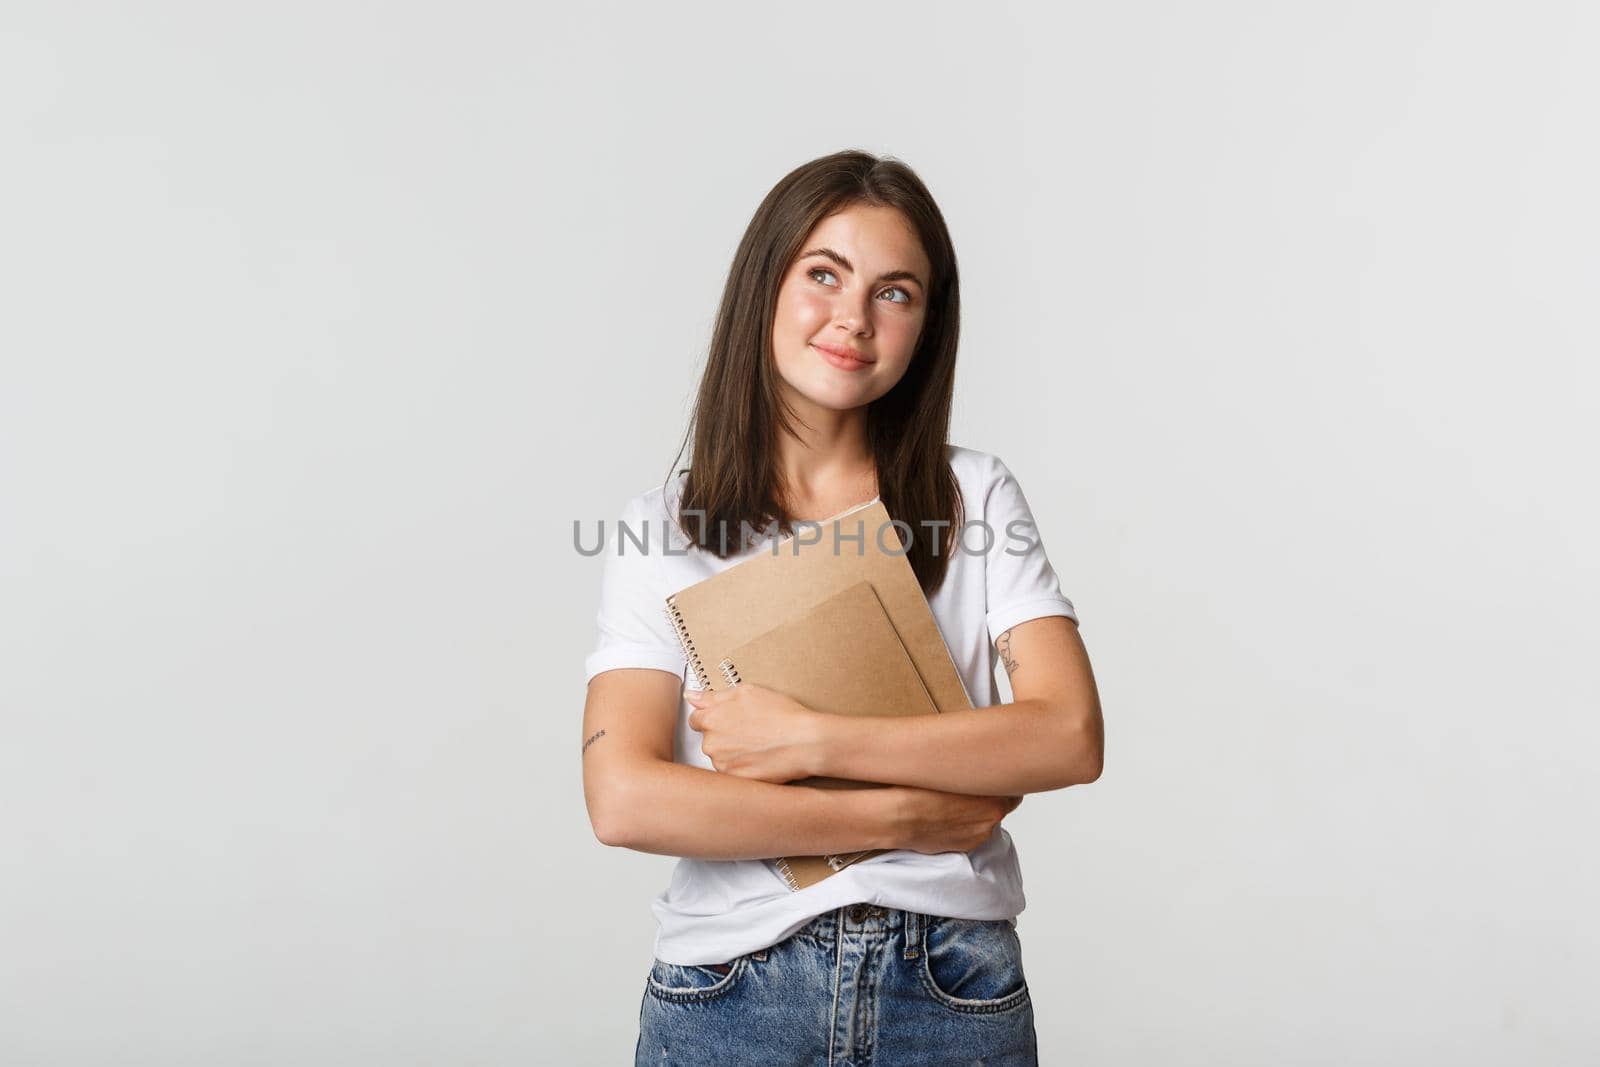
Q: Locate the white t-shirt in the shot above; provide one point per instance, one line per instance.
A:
(715, 910)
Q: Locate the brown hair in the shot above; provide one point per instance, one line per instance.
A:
(733, 477)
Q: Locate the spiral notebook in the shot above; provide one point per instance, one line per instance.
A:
(841, 657)
(715, 617)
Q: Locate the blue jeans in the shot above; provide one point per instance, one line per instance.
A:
(858, 986)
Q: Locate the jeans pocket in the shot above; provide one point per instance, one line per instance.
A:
(682, 982)
(973, 965)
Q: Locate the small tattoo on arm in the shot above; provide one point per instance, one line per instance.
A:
(598, 734)
(1004, 645)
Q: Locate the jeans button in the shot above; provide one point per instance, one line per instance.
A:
(857, 913)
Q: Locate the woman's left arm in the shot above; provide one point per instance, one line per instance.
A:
(1052, 735)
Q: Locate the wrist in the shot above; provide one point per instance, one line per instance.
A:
(816, 751)
(887, 815)
(828, 744)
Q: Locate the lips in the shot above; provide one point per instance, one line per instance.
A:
(842, 357)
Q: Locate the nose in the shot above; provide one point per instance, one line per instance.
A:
(855, 316)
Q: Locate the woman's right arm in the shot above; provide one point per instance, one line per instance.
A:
(639, 798)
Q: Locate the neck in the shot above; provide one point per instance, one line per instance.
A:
(829, 457)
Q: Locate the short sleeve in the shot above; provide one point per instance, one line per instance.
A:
(632, 625)
(1020, 582)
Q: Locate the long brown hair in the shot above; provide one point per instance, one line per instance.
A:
(733, 477)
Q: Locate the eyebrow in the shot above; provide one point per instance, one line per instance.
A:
(890, 276)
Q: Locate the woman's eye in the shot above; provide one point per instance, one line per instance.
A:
(905, 297)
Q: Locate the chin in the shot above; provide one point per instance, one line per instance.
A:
(831, 399)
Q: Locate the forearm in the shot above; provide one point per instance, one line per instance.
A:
(1025, 747)
(673, 809)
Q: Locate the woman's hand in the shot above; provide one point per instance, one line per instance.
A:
(930, 820)
(756, 732)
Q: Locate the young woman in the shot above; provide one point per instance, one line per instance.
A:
(829, 384)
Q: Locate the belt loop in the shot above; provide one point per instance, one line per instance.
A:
(913, 928)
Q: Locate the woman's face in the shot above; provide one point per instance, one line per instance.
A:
(850, 309)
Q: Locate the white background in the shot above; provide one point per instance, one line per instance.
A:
(322, 323)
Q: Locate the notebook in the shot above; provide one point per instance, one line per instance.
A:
(841, 657)
(714, 617)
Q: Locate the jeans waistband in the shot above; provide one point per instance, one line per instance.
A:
(866, 920)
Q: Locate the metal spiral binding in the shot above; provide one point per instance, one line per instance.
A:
(788, 875)
(676, 618)
(729, 671)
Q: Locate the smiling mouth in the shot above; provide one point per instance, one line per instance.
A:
(844, 358)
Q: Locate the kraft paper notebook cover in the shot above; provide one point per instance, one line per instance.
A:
(841, 657)
(714, 617)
